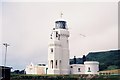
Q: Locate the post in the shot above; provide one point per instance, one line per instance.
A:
(6, 45)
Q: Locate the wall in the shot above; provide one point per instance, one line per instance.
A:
(91, 67)
(77, 69)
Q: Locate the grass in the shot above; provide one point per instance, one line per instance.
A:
(64, 77)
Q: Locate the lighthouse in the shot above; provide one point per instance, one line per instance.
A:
(58, 55)
(58, 49)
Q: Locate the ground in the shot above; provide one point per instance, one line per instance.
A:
(64, 77)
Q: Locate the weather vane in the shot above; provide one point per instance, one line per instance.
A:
(61, 14)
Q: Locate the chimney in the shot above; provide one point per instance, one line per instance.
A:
(83, 59)
(74, 59)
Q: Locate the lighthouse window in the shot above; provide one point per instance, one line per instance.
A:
(51, 36)
(78, 69)
(56, 34)
(51, 49)
(89, 69)
(59, 37)
(67, 41)
(51, 62)
(60, 63)
(56, 63)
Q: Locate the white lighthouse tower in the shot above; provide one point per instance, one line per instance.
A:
(58, 50)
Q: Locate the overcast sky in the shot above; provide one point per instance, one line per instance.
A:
(26, 26)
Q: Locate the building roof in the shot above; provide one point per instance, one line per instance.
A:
(5, 67)
(91, 62)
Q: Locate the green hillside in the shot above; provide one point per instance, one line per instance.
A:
(108, 59)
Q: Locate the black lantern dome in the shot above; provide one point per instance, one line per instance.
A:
(60, 24)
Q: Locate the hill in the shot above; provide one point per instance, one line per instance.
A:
(108, 59)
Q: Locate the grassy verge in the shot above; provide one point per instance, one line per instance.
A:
(64, 77)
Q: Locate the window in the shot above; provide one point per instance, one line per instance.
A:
(67, 41)
(71, 66)
(50, 37)
(78, 69)
(56, 34)
(56, 63)
(60, 61)
(51, 63)
(59, 37)
(89, 69)
(60, 64)
(51, 49)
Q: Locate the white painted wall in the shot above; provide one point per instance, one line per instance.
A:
(35, 69)
(30, 69)
(60, 52)
(93, 65)
(84, 68)
(74, 69)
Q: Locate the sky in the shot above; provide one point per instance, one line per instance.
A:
(27, 26)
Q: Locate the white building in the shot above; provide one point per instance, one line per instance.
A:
(36, 69)
(58, 50)
(58, 55)
(77, 69)
(89, 67)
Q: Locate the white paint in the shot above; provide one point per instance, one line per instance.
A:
(35, 69)
(74, 69)
(58, 60)
(84, 68)
(93, 66)
(77, 69)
